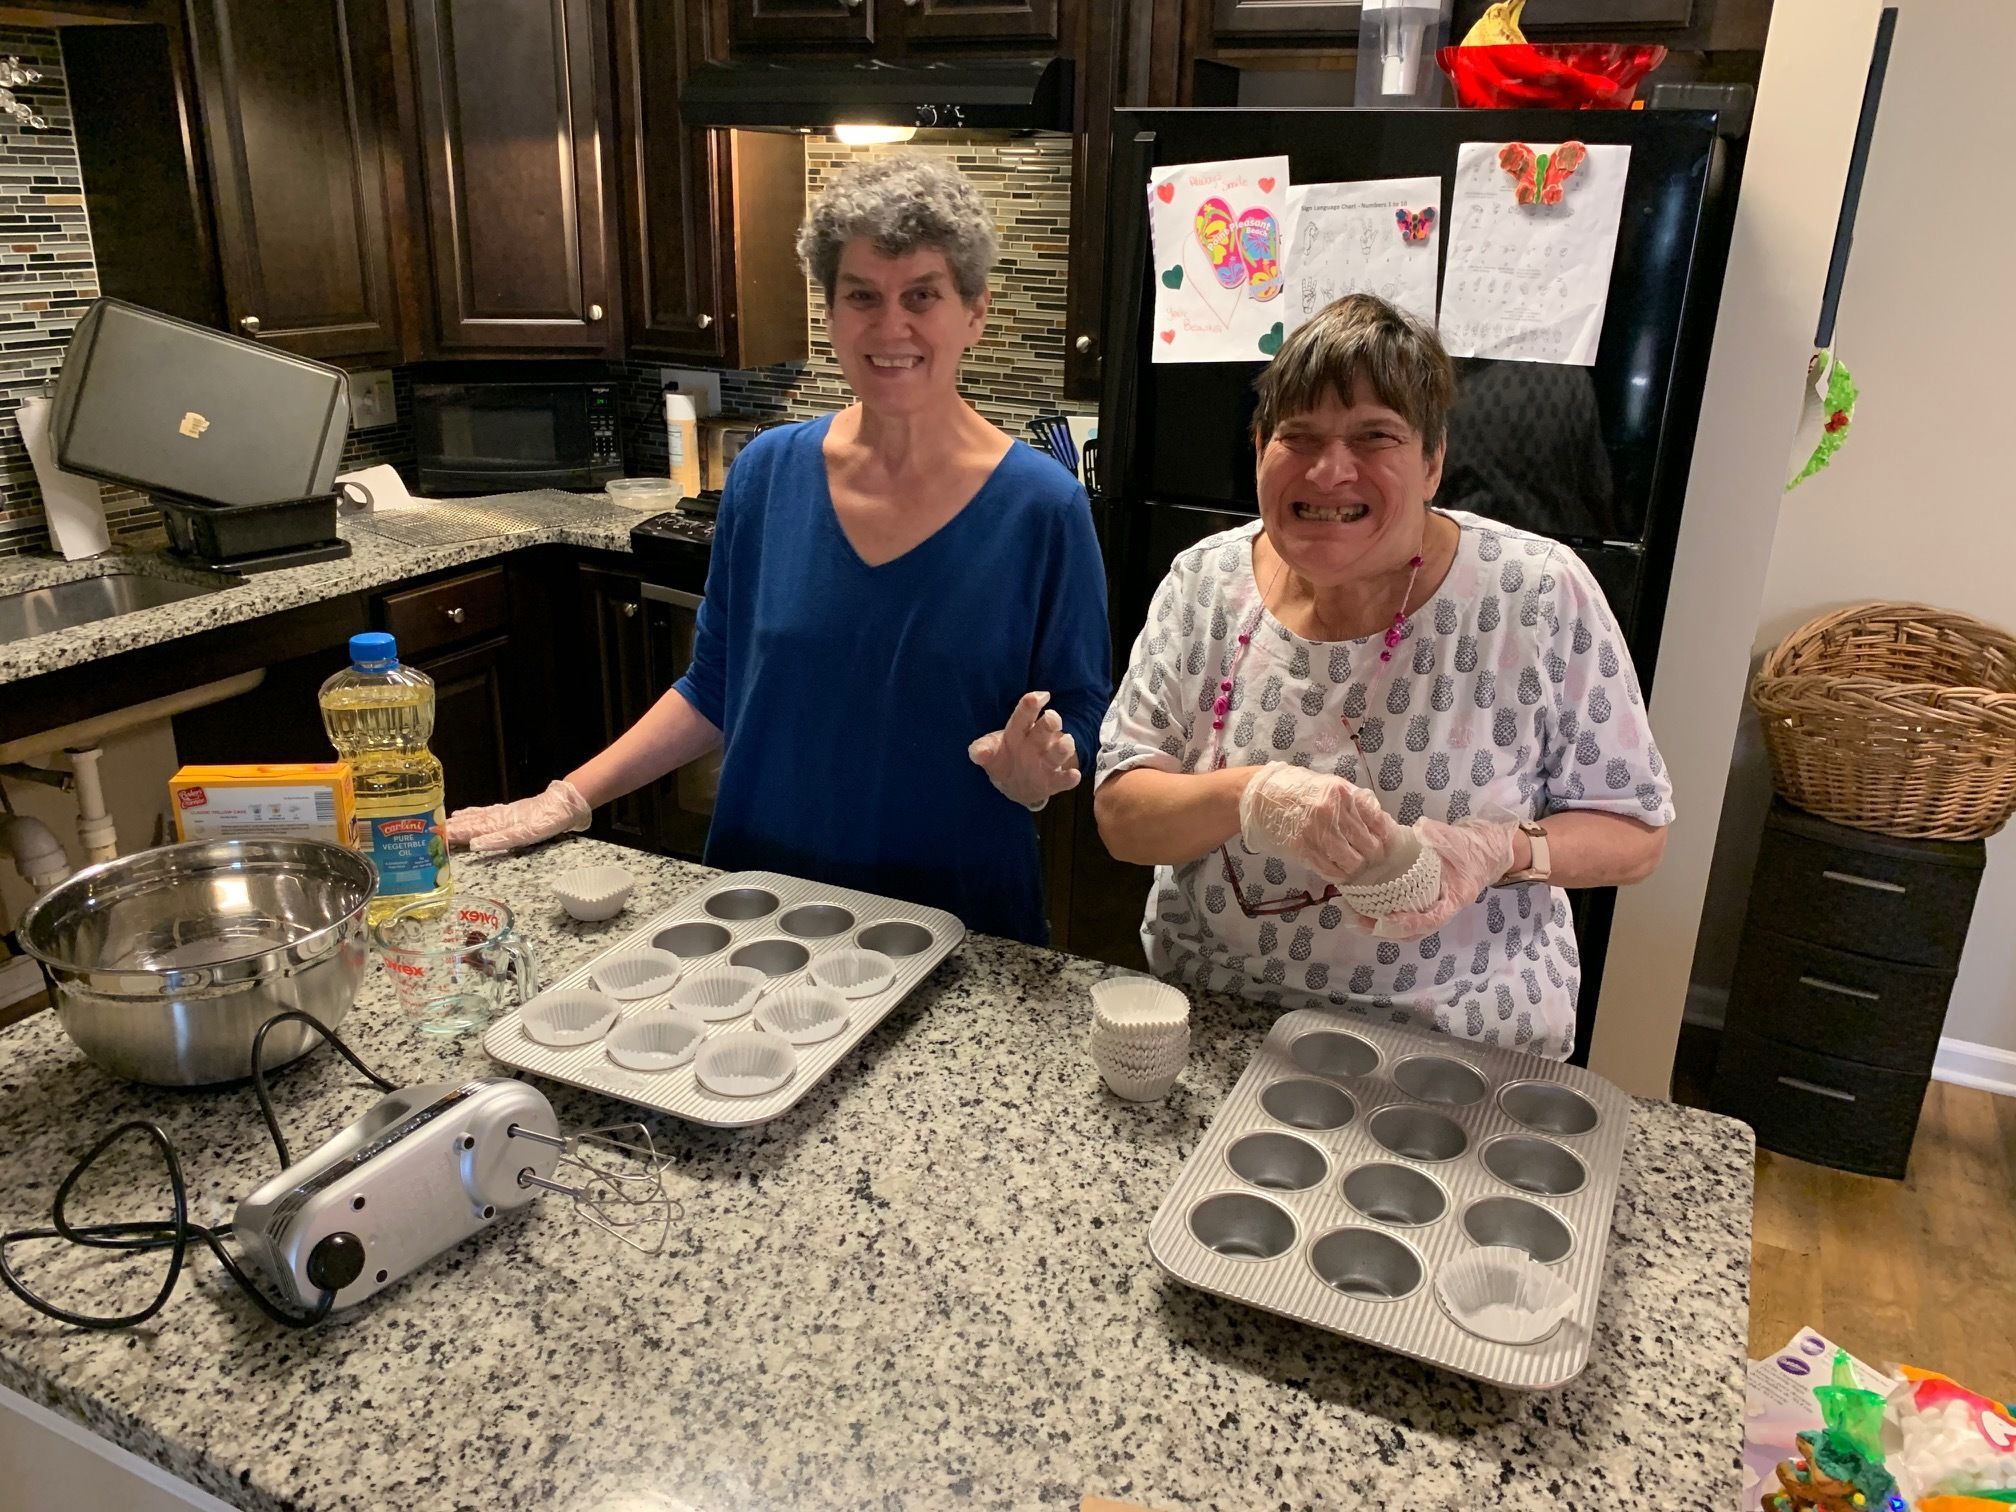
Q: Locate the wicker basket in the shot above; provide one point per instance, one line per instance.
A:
(1897, 718)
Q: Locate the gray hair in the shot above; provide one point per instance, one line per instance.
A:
(901, 202)
(1357, 347)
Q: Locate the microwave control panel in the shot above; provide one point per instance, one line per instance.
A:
(605, 442)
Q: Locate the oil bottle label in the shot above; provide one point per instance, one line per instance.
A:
(411, 850)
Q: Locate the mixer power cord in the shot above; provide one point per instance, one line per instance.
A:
(175, 1232)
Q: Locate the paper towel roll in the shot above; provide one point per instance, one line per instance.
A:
(75, 505)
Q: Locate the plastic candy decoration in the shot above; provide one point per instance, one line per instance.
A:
(1840, 1469)
(1552, 75)
(1540, 178)
(1824, 420)
(1415, 224)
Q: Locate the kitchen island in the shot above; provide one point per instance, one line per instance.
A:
(926, 1285)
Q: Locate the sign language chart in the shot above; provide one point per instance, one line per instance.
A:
(1373, 236)
(1532, 233)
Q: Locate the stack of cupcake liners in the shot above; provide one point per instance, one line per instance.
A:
(1140, 1035)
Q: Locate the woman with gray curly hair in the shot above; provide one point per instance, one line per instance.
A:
(903, 648)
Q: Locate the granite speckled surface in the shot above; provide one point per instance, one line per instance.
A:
(925, 1286)
(547, 516)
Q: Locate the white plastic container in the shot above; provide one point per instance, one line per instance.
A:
(682, 441)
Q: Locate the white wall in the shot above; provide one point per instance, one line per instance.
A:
(1920, 503)
(1816, 60)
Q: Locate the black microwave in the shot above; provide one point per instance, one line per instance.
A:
(500, 436)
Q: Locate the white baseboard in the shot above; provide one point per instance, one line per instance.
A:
(1707, 1007)
(1967, 1064)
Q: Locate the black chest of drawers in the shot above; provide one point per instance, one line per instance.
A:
(1849, 952)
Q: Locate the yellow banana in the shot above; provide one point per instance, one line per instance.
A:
(1498, 25)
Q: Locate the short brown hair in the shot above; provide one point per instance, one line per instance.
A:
(1360, 340)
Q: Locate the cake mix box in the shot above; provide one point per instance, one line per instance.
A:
(308, 800)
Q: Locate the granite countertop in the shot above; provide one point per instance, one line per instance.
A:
(542, 516)
(927, 1285)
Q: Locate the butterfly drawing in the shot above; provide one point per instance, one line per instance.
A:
(1415, 224)
(1540, 178)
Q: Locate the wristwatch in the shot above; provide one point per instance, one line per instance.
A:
(1542, 866)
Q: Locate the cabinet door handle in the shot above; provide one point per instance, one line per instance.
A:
(629, 611)
(249, 324)
(1805, 1086)
(1083, 343)
(1874, 884)
(594, 312)
(704, 320)
(456, 615)
(1821, 984)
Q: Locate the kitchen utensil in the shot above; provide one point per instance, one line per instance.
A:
(647, 494)
(594, 893)
(635, 974)
(455, 962)
(1354, 1161)
(163, 964)
(660, 1040)
(570, 1016)
(374, 1204)
(704, 929)
(1501, 1293)
(745, 1065)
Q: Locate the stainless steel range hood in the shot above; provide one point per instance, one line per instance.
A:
(1009, 95)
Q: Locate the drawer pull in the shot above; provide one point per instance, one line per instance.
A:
(629, 611)
(1874, 884)
(1805, 1086)
(455, 615)
(1821, 984)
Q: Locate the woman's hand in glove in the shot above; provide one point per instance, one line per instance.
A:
(1331, 826)
(1474, 853)
(1030, 759)
(507, 826)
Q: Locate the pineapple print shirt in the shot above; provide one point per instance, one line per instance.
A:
(1511, 695)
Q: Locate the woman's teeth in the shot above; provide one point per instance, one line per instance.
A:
(894, 362)
(1342, 514)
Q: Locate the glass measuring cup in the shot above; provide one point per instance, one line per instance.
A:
(455, 963)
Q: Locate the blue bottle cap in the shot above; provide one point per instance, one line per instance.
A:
(373, 651)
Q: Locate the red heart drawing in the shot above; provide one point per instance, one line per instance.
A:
(1267, 186)
(1165, 192)
(1169, 336)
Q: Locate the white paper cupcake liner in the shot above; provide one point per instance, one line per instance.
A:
(657, 1040)
(854, 973)
(1126, 1003)
(805, 1014)
(1501, 1293)
(635, 974)
(721, 992)
(745, 1065)
(1413, 889)
(573, 1016)
(1140, 1071)
(594, 893)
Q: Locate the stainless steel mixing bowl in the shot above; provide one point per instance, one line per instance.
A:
(167, 962)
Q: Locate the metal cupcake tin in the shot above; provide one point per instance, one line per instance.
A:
(776, 924)
(1353, 1160)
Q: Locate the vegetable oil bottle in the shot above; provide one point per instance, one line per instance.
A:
(379, 715)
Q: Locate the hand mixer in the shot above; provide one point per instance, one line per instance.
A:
(426, 1168)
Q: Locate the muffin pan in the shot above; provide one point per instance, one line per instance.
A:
(1353, 1161)
(758, 926)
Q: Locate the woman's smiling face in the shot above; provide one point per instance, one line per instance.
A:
(1344, 489)
(899, 327)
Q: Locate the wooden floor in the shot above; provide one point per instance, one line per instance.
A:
(1920, 1271)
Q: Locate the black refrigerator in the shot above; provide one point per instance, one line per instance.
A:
(1593, 456)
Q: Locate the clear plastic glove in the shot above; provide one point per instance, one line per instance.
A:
(1474, 852)
(1333, 827)
(508, 826)
(1030, 759)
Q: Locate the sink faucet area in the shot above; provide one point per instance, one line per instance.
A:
(60, 606)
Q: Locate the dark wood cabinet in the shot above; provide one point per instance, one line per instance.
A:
(801, 25)
(469, 723)
(1334, 21)
(710, 216)
(614, 609)
(297, 118)
(513, 99)
(971, 21)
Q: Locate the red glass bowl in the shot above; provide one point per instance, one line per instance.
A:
(1550, 75)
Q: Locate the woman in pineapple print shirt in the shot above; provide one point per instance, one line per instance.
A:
(1355, 662)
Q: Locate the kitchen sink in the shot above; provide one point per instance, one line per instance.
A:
(63, 605)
